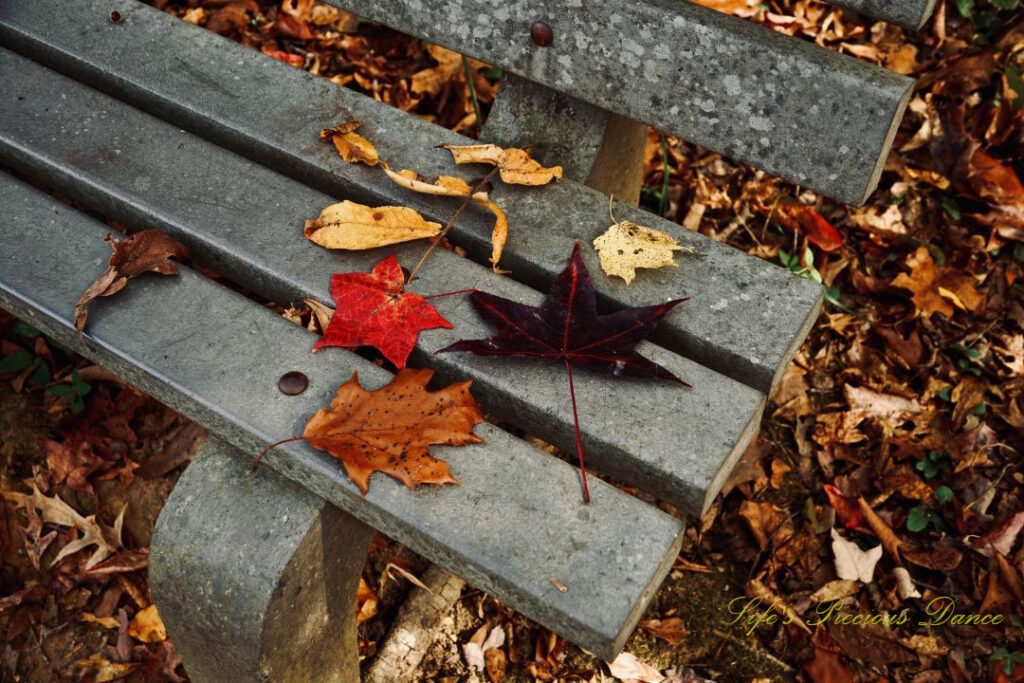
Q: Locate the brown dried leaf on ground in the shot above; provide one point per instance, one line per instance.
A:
(389, 429)
(352, 147)
(55, 511)
(671, 630)
(938, 290)
(147, 627)
(626, 246)
(515, 166)
(149, 250)
(348, 225)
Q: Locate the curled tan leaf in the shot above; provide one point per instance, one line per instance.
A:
(499, 233)
(515, 166)
(445, 186)
(348, 225)
(352, 147)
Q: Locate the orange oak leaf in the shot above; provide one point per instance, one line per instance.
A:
(806, 220)
(149, 250)
(938, 290)
(372, 310)
(388, 430)
(352, 147)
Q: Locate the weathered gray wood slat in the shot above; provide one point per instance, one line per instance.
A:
(747, 317)
(515, 521)
(813, 116)
(245, 221)
(909, 13)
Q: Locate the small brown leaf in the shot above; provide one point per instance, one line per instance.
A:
(938, 290)
(445, 186)
(348, 225)
(670, 630)
(495, 663)
(352, 147)
(515, 166)
(149, 250)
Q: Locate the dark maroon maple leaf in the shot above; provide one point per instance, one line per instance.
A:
(568, 328)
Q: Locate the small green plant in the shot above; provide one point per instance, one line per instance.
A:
(658, 199)
(986, 22)
(1008, 661)
(21, 360)
(929, 467)
(811, 273)
(920, 517)
(76, 389)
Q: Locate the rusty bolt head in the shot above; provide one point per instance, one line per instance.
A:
(116, 17)
(541, 34)
(292, 383)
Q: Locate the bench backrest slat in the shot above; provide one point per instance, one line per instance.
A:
(818, 118)
(907, 13)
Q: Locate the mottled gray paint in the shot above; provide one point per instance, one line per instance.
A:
(515, 521)
(747, 317)
(909, 13)
(254, 576)
(245, 221)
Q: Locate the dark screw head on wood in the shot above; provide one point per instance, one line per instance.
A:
(541, 34)
(116, 17)
(292, 383)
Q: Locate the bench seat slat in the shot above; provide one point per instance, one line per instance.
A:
(747, 317)
(515, 521)
(245, 221)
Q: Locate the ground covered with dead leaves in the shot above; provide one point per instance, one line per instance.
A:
(886, 481)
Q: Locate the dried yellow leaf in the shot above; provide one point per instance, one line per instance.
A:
(515, 166)
(445, 186)
(499, 233)
(147, 627)
(352, 147)
(348, 225)
(626, 246)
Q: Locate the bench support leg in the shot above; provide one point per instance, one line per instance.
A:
(594, 146)
(256, 578)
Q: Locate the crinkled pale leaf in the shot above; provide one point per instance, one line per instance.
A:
(626, 667)
(515, 166)
(149, 250)
(352, 147)
(1000, 539)
(626, 246)
(852, 563)
(55, 511)
(388, 430)
(347, 225)
(373, 310)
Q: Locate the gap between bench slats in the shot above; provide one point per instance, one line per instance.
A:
(515, 521)
(245, 221)
(747, 317)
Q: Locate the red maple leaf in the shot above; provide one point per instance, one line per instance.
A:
(567, 328)
(372, 310)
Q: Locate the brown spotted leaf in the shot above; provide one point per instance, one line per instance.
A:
(149, 250)
(348, 225)
(389, 429)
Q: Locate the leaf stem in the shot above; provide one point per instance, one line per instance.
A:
(457, 291)
(444, 231)
(576, 424)
(259, 458)
(472, 93)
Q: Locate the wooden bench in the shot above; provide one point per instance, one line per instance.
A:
(155, 123)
